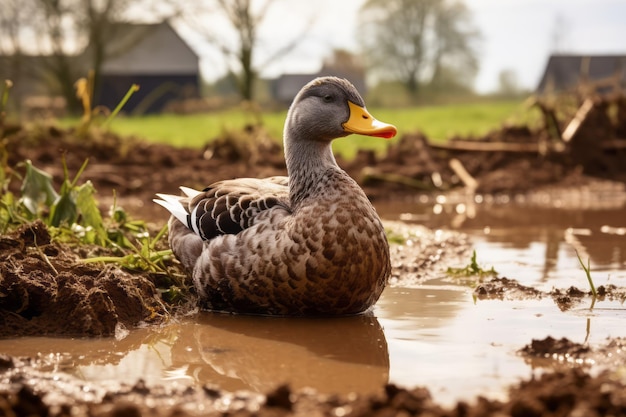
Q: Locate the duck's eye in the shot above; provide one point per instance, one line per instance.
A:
(328, 98)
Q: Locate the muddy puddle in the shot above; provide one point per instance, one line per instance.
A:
(432, 330)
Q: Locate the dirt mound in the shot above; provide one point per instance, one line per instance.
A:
(47, 290)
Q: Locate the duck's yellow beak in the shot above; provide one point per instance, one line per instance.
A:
(362, 123)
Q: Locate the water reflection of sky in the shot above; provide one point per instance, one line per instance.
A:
(536, 244)
(460, 348)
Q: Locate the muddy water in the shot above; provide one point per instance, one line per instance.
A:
(435, 333)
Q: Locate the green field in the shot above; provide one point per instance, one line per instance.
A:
(438, 123)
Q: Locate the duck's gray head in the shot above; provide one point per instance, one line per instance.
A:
(328, 108)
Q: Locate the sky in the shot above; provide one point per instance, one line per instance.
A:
(517, 35)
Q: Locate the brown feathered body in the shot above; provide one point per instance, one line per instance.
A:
(307, 244)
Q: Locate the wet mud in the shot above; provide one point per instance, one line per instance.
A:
(27, 390)
(46, 289)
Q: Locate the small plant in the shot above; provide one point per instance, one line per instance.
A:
(132, 90)
(144, 255)
(587, 270)
(84, 92)
(472, 269)
(395, 237)
(72, 215)
(73, 206)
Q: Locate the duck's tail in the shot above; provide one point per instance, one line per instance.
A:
(173, 204)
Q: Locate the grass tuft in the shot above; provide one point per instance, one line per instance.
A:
(587, 270)
(472, 269)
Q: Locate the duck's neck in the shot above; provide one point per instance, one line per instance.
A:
(307, 161)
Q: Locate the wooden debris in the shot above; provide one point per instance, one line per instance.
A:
(470, 182)
(479, 146)
(575, 124)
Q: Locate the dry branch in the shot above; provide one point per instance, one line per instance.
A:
(575, 124)
(460, 171)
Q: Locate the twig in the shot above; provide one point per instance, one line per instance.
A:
(470, 182)
(575, 124)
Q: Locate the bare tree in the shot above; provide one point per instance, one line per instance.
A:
(454, 44)
(419, 41)
(240, 56)
(56, 25)
(13, 15)
(68, 36)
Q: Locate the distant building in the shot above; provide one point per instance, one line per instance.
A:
(153, 56)
(156, 58)
(566, 72)
(285, 87)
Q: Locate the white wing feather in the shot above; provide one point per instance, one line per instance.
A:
(189, 192)
(172, 204)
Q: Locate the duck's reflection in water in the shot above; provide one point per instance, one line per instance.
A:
(331, 355)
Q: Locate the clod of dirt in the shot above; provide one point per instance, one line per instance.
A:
(501, 287)
(280, 398)
(568, 393)
(560, 354)
(549, 346)
(567, 299)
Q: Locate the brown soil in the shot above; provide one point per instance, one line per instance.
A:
(46, 289)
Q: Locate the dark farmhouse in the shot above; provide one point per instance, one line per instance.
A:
(153, 56)
(157, 59)
(285, 87)
(566, 72)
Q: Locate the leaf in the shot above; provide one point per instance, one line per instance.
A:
(37, 188)
(63, 210)
(88, 208)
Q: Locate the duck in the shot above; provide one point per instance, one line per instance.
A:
(306, 244)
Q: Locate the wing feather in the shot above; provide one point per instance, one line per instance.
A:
(227, 207)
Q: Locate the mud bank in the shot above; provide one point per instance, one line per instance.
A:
(47, 290)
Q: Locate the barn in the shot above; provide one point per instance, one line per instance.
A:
(566, 72)
(285, 87)
(156, 58)
(153, 56)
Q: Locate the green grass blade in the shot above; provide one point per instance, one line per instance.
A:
(587, 270)
(132, 90)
